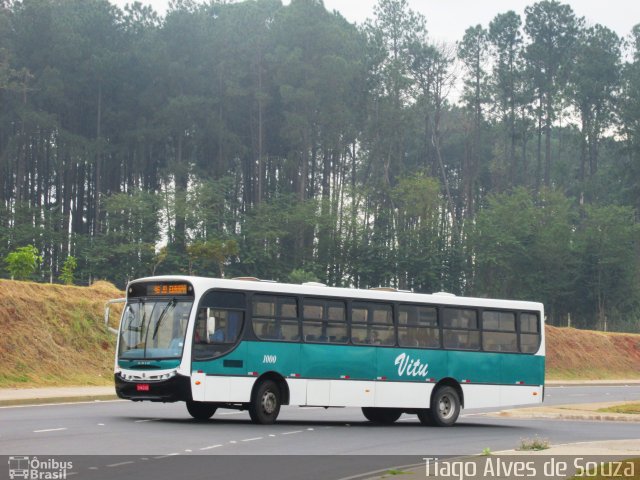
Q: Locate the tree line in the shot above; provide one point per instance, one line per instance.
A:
(283, 142)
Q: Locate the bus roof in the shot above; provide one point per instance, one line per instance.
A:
(202, 284)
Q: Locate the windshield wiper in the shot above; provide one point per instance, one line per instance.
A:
(172, 303)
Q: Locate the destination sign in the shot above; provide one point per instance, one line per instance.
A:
(160, 289)
(167, 289)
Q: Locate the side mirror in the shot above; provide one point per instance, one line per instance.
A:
(107, 312)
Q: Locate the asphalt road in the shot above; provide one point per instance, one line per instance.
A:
(121, 439)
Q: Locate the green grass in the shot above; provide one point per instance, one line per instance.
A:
(535, 444)
(633, 408)
(394, 471)
(590, 374)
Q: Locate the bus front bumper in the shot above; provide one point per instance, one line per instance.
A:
(175, 389)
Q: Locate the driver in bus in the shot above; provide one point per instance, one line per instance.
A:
(218, 336)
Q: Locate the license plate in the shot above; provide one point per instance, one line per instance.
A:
(142, 387)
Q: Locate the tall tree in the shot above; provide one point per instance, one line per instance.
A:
(594, 80)
(553, 30)
(506, 40)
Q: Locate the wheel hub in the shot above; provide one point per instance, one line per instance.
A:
(445, 406)
(269, 402)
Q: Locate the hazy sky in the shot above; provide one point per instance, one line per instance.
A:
(448, 19)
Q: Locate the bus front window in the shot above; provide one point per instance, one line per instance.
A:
(154, 329)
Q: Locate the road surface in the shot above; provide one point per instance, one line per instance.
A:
(122, 439)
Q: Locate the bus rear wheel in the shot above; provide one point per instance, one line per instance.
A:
(445, 407)
(381, 415)
(265, 404)
(201, 410)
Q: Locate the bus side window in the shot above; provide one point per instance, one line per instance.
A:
(529, 333)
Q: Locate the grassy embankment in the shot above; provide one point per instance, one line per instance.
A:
(54, 335)
(584, 354)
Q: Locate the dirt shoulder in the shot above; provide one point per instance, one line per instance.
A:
(582, 411)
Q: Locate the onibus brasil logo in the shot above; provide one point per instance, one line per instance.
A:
(37, 469)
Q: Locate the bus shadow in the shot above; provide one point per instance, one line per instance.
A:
(360, 424)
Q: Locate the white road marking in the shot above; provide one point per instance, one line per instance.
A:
(167, 455)
(189, 451)
(101, 424)
(147, 420)
(231, 413)
(120, 464)
(309, 429)
(271, 435)
(232, 441)
(210, 447)
(93, 468)
(49, 430)
(252, 439)
(289, 433)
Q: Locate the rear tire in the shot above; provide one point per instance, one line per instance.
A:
(265, 405)
(201, 410)
(445, 406)
(385, 416)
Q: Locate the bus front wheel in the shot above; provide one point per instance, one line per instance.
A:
(381, 415)
(445, 407)
(200, 410)
(265, 405)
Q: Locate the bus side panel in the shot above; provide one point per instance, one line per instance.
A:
(318, 392)
(481, 396)
(352, 393)
(520, 395)
(475, 367)
(403, 394)
(222, 379)
(342, 375)
(522, 368)
(479, 375)
(403, 376)
(333, 362)
(280, 357)
(411, 364)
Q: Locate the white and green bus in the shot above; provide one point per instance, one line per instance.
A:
(256, 345)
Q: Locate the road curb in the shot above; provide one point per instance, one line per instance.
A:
(591, 383)
(53, 400)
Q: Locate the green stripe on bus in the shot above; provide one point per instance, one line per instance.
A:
(370, 363)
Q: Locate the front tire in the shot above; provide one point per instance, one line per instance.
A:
(265, 405)
(445, 407)
(385, 416)
(201, 410)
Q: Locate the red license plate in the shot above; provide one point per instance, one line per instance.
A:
(142, 387)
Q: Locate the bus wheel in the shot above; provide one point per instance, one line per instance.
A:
(445, 407)
(265, 405)
(201, 410)
(381, 415)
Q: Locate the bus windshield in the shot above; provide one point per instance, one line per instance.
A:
(154, 328)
